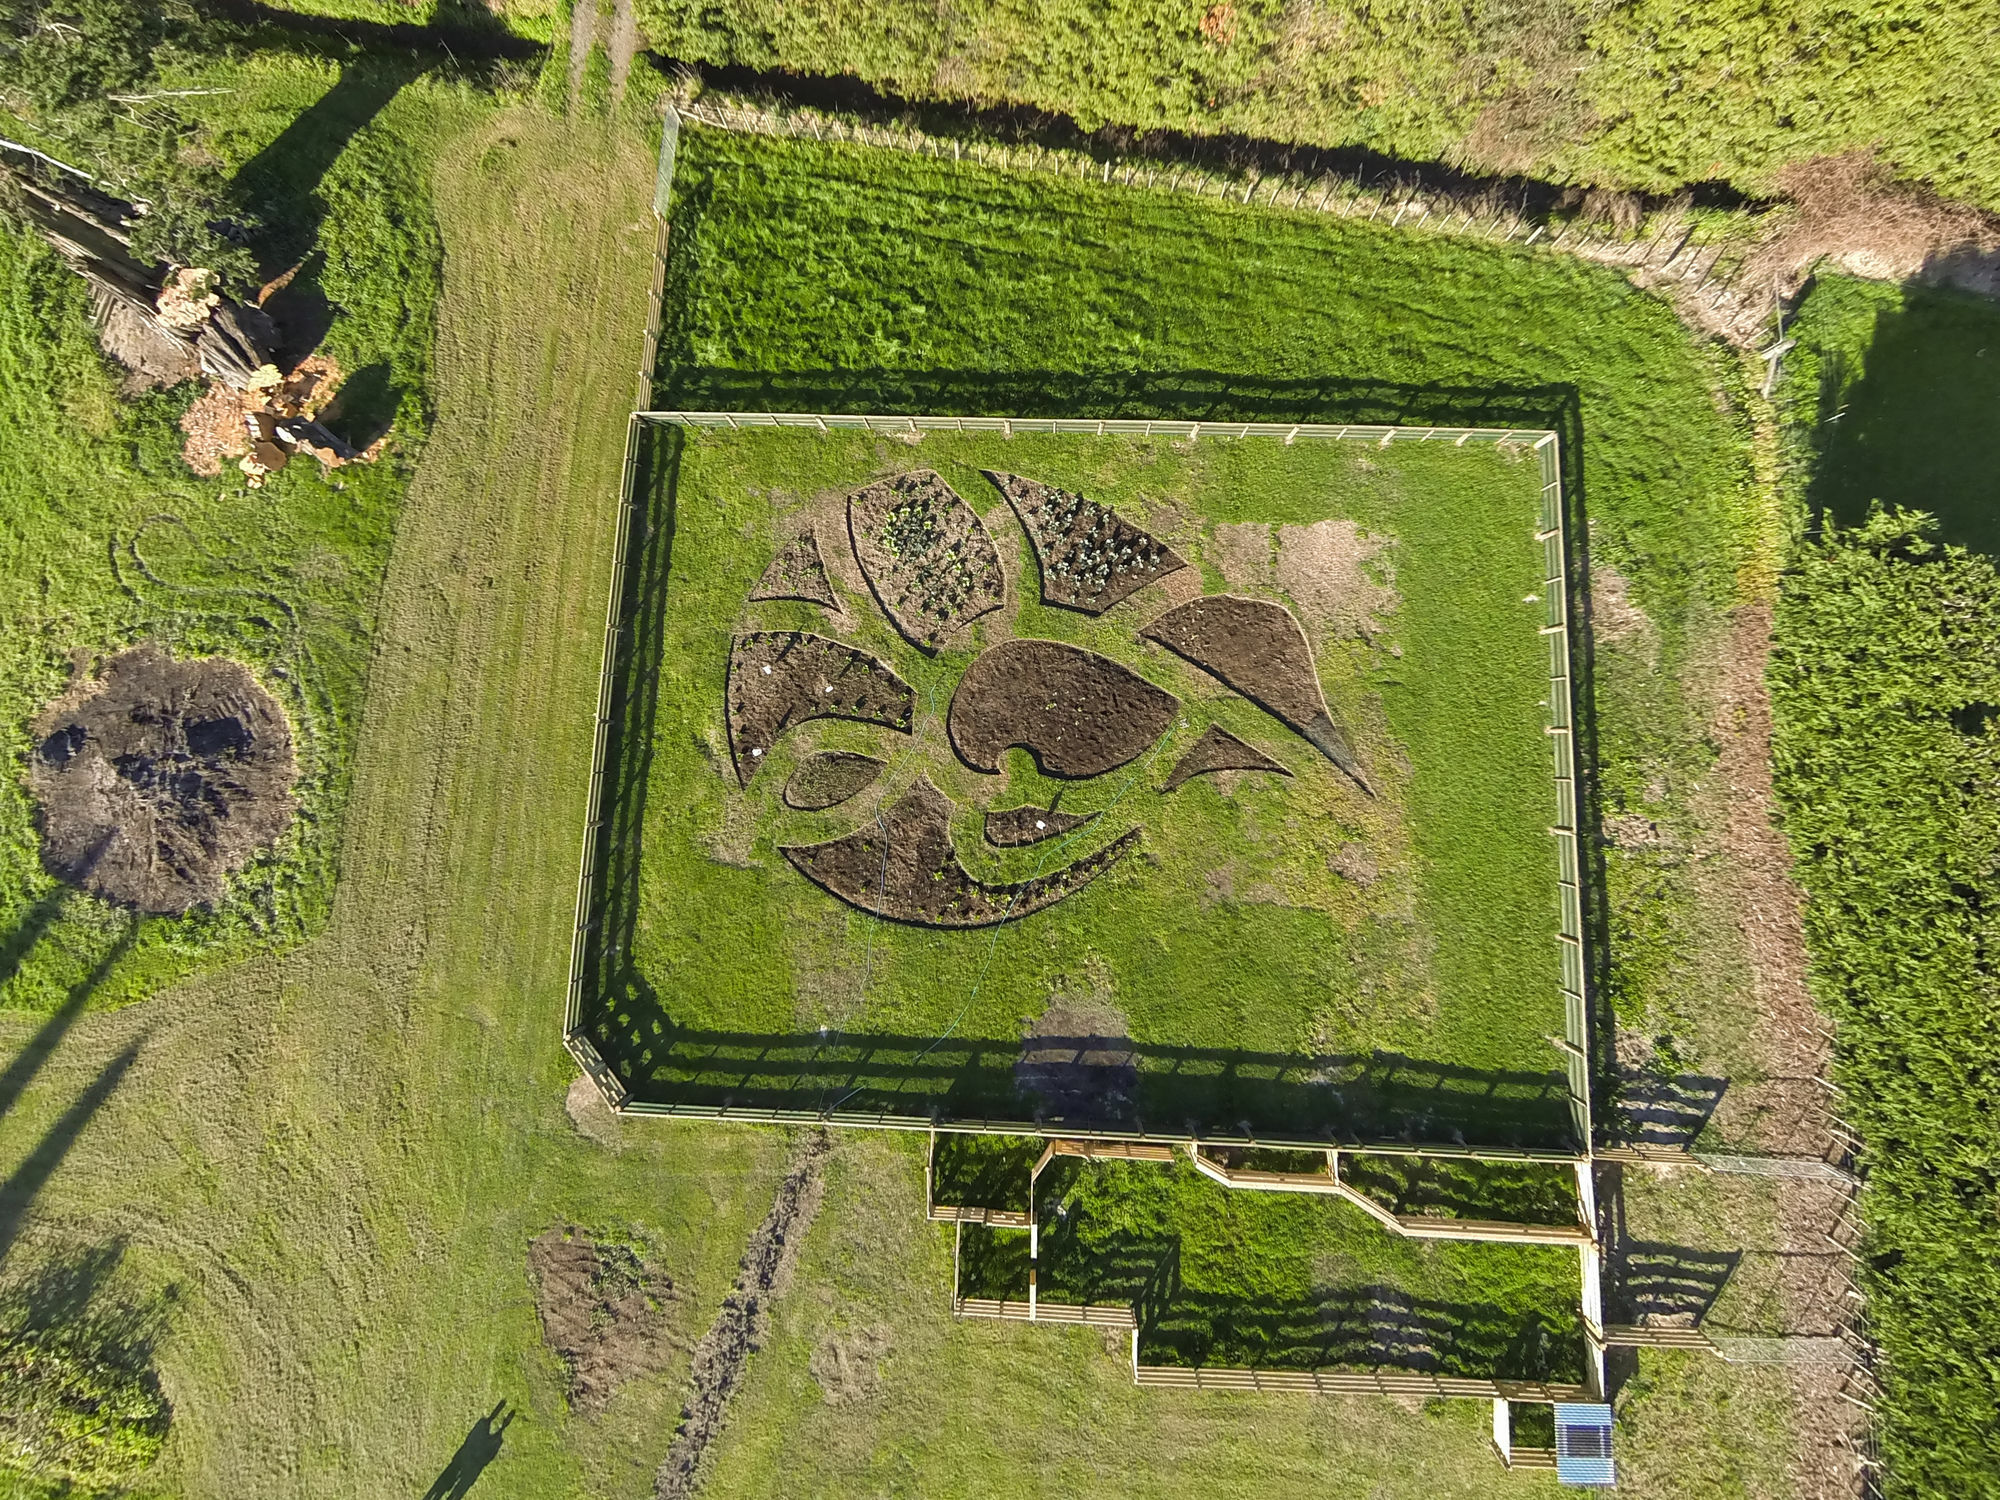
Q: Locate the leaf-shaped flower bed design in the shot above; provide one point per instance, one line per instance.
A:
(1091, 557)
(903, 867)
(781, 678)
(827, 780)
(1015, 827)
(1258, 649)
(926, 555)
(1219, 750)
(797, 573)
(1079, 714)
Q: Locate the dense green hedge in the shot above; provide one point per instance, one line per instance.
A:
(69, 1413)
(1646, 93)
(1886, 687)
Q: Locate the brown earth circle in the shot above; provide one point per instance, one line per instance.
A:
(158, 778)
(1079, 714)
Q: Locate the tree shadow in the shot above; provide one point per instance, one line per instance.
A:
(18, 1192)
(480, 1448)
(25, 1064)
(74, 1292)
(1916, 428)
(20, 942)
(365, 406)
(280, 184)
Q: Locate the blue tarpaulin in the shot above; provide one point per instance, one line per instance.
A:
(1583, 1444)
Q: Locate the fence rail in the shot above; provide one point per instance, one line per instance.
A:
(1355, 1383)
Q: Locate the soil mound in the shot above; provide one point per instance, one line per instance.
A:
(603, 1312)
(828, 780)
(161, 777)
(926, 555)
(1016, 826)
(903, 867)
(781, 678)
(1079, 714)
(1258, 649)
(797, 573)
(1091, 557)
(1219, 750)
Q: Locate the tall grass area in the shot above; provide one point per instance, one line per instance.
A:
(107, 538)
(1887, 758)
(1886, 688)
(1644, 94)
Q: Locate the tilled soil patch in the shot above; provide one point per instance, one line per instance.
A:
(723, 1354)
(1015, 827)
(927, 556)
(1091, 557)
(1219, 750)
(603, 1312)
(782, 678)
(160, 777)
(1079, 714)
(1257, 648)
(797, 573)
(827, 780)
(903, 867)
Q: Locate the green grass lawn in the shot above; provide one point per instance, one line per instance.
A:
(1230, 946)
(106, 539)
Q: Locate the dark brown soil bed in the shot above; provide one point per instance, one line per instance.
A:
(603, 1312)
(1257, 648)
(926, 555)
(828, 780)
(797, 573)
(159, 778)
(1219, 750)
(1091, 557)
(781, 678)
(1079, 714)
(1017, 826)
(904, 868)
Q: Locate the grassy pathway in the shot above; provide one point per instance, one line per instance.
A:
(336, 1157)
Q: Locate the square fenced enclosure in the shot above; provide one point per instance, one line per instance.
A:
(1190, 784)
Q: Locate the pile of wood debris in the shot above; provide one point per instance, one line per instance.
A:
(169, 323)
(273, 417)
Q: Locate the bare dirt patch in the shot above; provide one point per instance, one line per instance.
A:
(723, 1354)
(1219, 750)
(782, 678)
(1355, 862)
(1090, 556)
(1257, 648)
(603, 1312)
(1327, 568)
(848, 1364)
(927, 557)
(903, 867)
(829, 779)
(1615, 620)
(1079, 714)
(1077, 1060)
(159, 778)
(593, 1118)
(797, 573)
(1015, 827)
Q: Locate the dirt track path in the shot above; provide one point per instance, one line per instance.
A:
(723, 1356)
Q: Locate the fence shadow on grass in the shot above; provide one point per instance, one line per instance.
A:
(1181, 1090)
(1214, 1090)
